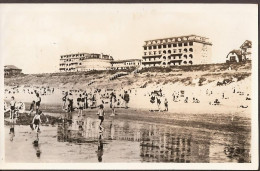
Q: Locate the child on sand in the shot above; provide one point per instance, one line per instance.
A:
(12, 108)
(36, 121)
(101, 113)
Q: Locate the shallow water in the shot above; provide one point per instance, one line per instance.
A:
(124, 141)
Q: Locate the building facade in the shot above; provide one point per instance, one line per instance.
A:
(125, 64)
(246, 49)
(234, 56)
(183, 50)
(84, 62)
(10, 70)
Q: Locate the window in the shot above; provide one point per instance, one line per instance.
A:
(150, 53)
(154, 52)
(174, 45)
(180, 44)
(159, 52)
(164, 52)
(191, 56)
(185, 62)
(185, 56)
(144, 53)
(169, 45)
(174, 51)
(190, 62)
(164, 57)
(159, 47)
(186, 44)
(169, 57)
(150, 47)
(180, 50)
(169, 51)
(190, 43)
(185, 50)
(191, 50)
(145, 48)
(164, 46)
(154, 47)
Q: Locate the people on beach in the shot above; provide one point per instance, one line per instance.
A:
(113, 103)
(101, 114)
(80, 102)
(31, 108)
(36, 121)
(64, 100)
(70, 106)
(166, 104)
(12, 108)
(158, 101)
(126, 99)
(38, 102)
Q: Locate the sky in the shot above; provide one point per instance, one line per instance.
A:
(33, 36)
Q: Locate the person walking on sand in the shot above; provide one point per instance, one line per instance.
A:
(31, 108)
(113, 103)
(64, 100)
(158, 100)
(166, 104)
(37, 102)
(80, 101)
(126, 99)
(101, 114)
(12, 107)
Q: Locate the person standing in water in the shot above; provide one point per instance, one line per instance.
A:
(101, 114)
(36, 121)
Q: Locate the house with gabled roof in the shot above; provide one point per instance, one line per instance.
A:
(11, 70)
(234, 56)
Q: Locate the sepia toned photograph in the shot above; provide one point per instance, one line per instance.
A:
(129, 83)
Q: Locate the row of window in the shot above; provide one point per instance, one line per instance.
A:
(169, 45)
(170, 63)
(170, 57)
(73, 55)
(169, 51)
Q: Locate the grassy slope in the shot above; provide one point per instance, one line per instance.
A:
(177, 74)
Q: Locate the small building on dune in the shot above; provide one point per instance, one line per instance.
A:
(234, 56)
(10, 70)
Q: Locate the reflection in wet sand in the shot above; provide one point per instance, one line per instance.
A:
(158, 143)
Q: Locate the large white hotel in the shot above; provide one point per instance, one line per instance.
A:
(182, 50)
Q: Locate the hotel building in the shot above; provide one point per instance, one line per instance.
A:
(124, 64)
(183, 50)
(84, 62)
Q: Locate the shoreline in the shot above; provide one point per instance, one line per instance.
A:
(216, 122)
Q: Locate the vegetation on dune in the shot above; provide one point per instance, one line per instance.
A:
(182, 74)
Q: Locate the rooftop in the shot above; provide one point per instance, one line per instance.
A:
(178, 39)
(11, 67)
(125, 60)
